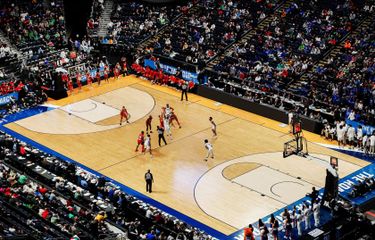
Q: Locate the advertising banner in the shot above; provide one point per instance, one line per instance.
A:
(186, 75)
(5, 99)
(366, 129)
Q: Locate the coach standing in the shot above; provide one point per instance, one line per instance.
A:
(184, 88)
(149, 180)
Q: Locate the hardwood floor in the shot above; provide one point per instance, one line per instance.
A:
(108, 148)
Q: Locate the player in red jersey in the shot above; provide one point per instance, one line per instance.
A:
(147, 73)
(140, 141)
(148, 124)
(174, 80)
(78, 79)
(17, 88)
(106, 72)
(165, 79)
(3, 88)
(154, 76)
(116, 70)
(191, 84)
(88, 78)
(159, 77)
(124, 68)
(172, 118)
(64, 77)
(11, 88)
(138, 69)
(161, 120)
(70, 85)
(98, 78)
(124, 114)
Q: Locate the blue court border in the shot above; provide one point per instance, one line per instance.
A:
(34, 111)
(214, 233)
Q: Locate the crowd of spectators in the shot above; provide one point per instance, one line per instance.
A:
(33, 22)
(134, 21)
(347, 80)
(289, 46)
(36, 29)
(76, 201)
(46, 212)
(201, 34)
(56, 59)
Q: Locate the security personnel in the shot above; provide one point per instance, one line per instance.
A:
(161, 135)
(149, 180)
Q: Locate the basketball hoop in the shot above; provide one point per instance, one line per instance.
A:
(290, 148)
(298, 145)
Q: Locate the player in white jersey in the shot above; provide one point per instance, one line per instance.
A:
(307, 216)
(209, 148)
(300, 219)
(332, 132)
(345, 127)
(340, 135)
(350, 134)
(148, 145)
(167, 126)
(168, 110)
(366, 143)
(372, 144)
(359, 136)
(316, 212)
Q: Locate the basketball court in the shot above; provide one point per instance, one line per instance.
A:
(247, 180)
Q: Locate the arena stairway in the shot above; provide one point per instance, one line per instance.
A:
(303, 82)
(5, 40)
(105, 18)
(11, 65)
